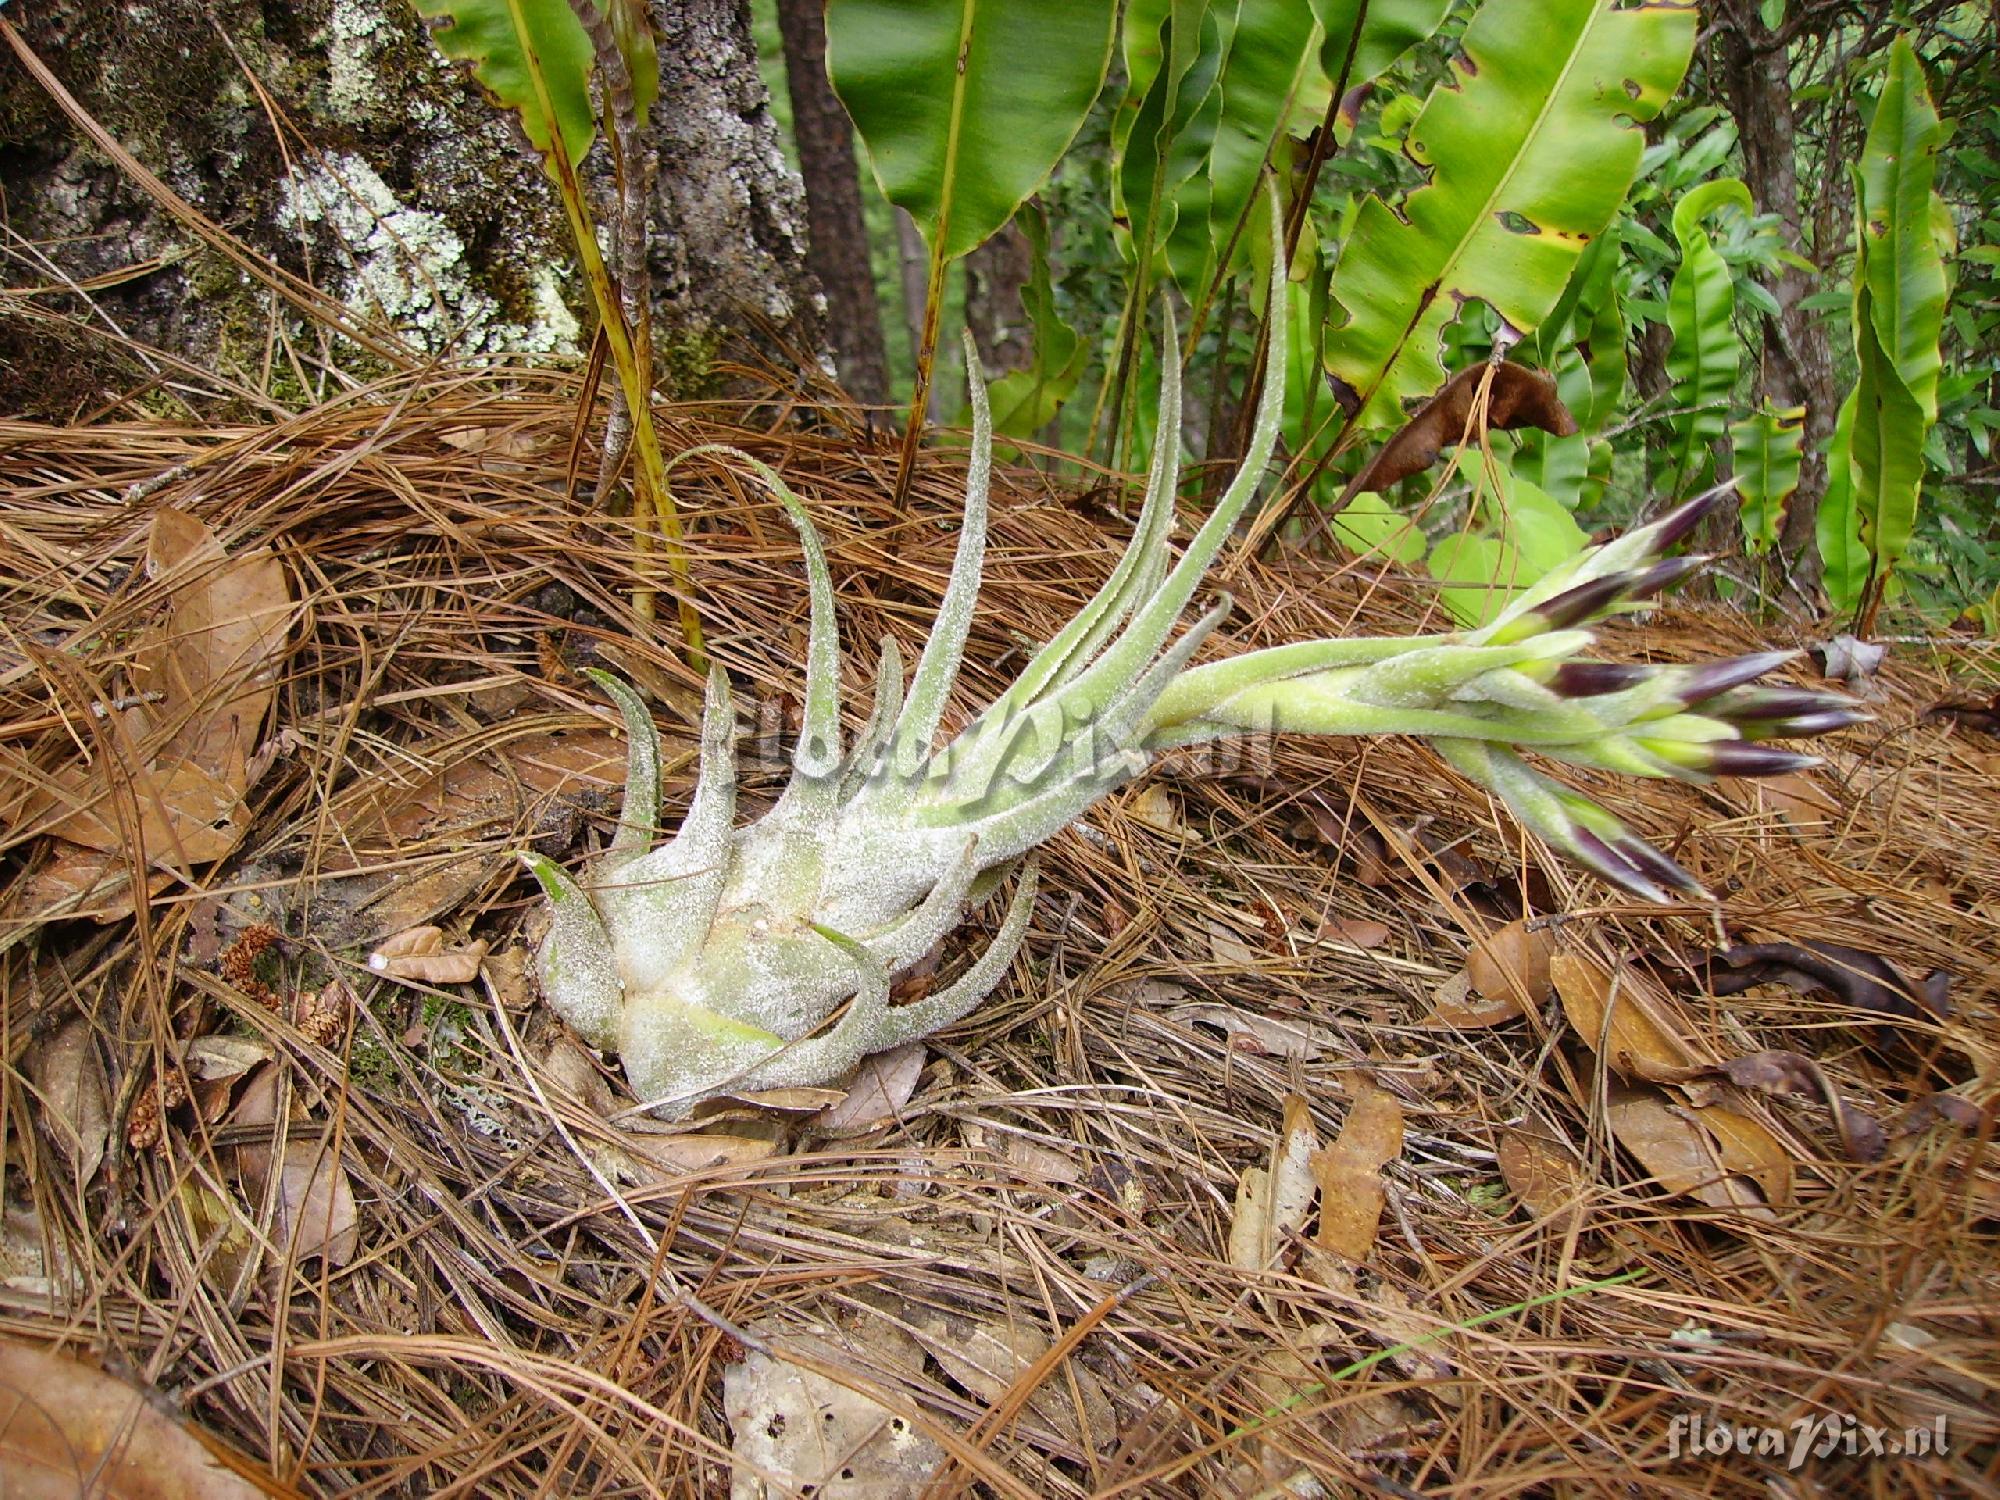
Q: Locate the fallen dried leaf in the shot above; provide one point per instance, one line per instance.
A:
(1516, 397)
(210, 1058)
(990, 1359)
(1250, 1032)
(1272, 1203)
(72, 1430)
(1792, 1073)
(1355, 932)
(1350, 1172)
(1626, 1022)
(1542, 1173)
(1512, 962)
(68, 1075)
(1450, 1006)
(1228, 948)
(815, 1435)
(1866, 981)
(1155, 807)
(417, 955)
(875, 1097)
(1682, 1156)
(657, 1159)
(316, 1209)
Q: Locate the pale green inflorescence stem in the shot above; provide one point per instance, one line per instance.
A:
(735, 958)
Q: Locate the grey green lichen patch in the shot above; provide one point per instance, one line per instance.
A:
(409, 267)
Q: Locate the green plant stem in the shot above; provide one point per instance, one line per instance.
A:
(656, 500)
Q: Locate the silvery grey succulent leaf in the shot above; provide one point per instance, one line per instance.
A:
(731, 958)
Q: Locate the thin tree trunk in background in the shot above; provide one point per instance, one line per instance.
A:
(915, 266)
(1797, 362)
(838, 252)
(995, 273)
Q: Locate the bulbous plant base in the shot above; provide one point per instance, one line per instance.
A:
(760, 957)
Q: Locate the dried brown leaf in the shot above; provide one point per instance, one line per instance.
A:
(875, 1096)
(71, 1430)
(418, 955)
(1272, 1202)
(990, 1359)
(818, 1436)
(1675, 1150)
(1866, 981)
(316, 1210)
(1228, 948)
(1355, 932)
(1155, 807)
(1639, 1040)
(1452, 1006)
(1512, 963)
(1249, 1032)
(1518, 397)
(658, 1158)
(1350, 1172)
(75, 1113)
(1542, 1173)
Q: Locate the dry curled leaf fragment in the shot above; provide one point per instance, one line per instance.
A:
(1228, 947)
(815, 1435)
(1866, 981)
(1349, 1171)
(1683, 1149)
(1155, 807)
(1516, 397)
(1512, 962)
(991, 1359)
(1452, 1005)
(877, 1093)
(1355, 932)
(418, 955)
(1777, 1072)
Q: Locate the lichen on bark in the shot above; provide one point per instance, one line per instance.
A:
(398, 189)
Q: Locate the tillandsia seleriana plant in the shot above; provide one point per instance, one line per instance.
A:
(722, 959)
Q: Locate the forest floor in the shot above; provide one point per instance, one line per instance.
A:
(1326, 1134)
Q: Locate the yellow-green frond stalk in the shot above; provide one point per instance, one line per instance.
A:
(763, 956)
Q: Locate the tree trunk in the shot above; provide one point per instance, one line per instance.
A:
(398, 190)
(1797, 362)
(839, 233)
(995, 274)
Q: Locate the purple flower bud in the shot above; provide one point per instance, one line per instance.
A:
(1778, 703)
(1645, 857)
(1615, 867)
(1589, 679)
(1801, 726)
(1584, 602)
(1739, 758)
(1677, 525)
(1712, 677)
(1663, 575)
